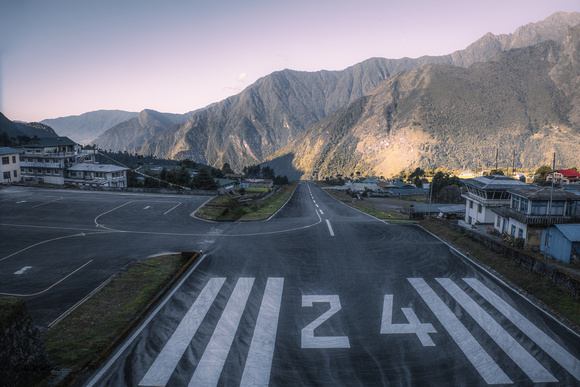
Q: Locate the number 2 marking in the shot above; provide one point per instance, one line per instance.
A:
(308, 338)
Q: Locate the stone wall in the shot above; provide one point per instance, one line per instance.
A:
(23, 358)
(537, 266)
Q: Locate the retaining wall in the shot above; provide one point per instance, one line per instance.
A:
(537, 266)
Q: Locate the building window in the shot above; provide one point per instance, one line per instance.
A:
(469, 220)
(6, 175)
(479, 208)
(5, 160)
(515, 202)
(557, 208)
(498, 221)
(524, 206)
(540, 207)
(15, 173)
(14, 159)
(513, 233)
(520, 233)
(470, 204)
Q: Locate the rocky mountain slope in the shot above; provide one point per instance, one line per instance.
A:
(86, 127)
(131, 134)
(268, 115)
(15, 129)
(524, 102)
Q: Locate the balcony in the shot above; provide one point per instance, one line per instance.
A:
(485, 202)
(537, 220)
(40, 165)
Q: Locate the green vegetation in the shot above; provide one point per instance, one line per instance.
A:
(226, 208)
(538, 287)
(89, 330)
(9, 308)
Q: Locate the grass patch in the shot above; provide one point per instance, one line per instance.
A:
(367, 208)
(540, 288)
(228, 209)
(89, 330)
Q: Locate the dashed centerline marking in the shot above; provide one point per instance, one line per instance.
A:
(23, 270)
(329, 227)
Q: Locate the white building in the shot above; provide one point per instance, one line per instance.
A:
(97, 175)
(10, 165)
(46, 159)
(484, 193)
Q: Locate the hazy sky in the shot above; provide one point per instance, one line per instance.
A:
(68, 57)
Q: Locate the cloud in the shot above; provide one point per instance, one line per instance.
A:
(242, 77)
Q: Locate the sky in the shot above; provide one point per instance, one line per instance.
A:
(68, 57)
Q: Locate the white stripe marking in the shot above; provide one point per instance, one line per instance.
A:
(23, 270)
(504, 340)
(147, 207)
(329, 227)
(566, 360)
(480, 359)
(165, 363)
(322, 213)
(171, 209)
(210, 365)
(42, 204)
(259, 360)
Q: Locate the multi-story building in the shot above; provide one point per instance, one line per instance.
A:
(97, 175)
(45, 159)
(532, 209)
(9, 165)
(484, 193)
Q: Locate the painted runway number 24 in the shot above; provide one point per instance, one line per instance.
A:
(414, 326)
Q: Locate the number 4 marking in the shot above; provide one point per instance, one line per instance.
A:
(308, 338)
(414, 326)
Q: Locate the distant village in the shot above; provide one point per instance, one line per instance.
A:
(543, 215)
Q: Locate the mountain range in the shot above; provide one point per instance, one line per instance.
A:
(516, 92)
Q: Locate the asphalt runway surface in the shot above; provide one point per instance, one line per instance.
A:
(320, 294)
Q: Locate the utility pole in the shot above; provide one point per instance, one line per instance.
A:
(514, 163)
(496, 154)
(547, 246)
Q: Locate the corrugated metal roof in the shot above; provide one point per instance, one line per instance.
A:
(543, 193)
(570, 231)
(495, 182)
(49, 141)
(8, 151)
(97, 168)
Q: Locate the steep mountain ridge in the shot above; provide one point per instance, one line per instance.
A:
(523, 102)
(271, 113)
(16, 129)
(130, 135)
(85, 128)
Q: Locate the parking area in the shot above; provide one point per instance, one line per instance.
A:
(59, 245)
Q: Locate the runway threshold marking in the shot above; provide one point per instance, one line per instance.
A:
(163, 366)
(259, 360)
(47, 289)
(329, 227)
(535, 371)
(556, 352)
(474, 352)
(212, 361)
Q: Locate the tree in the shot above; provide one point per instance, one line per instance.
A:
(496, 172)
(204, 180)
(542, 173)
(268, 173)
(442, 180)
(227, 169)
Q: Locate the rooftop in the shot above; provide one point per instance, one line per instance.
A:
(49, 141)
(495, 182)
(570, 231)
(544, 193)
(97, 168)
(8, 151)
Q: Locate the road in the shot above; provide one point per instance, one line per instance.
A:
(322, 294)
